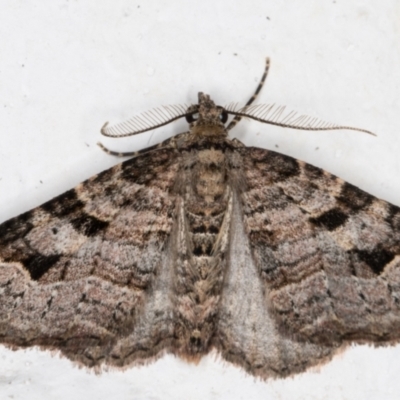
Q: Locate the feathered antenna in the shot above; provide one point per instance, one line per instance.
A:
(147, 121)
(276, 115)
(266, 113)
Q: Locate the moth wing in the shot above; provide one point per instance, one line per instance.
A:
(76, 271)
(327, 252)
(247, 331)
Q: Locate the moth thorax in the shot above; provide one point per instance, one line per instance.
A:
(209, 176)
(209, 129)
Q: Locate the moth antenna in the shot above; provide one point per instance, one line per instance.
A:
(253, 97)
(146, 121)
(276, 115)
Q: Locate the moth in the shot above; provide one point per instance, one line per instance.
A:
(201, 243)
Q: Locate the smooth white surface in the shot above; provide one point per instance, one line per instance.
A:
(66, 67)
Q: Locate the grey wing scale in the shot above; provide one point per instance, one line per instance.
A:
(77, 273)
(247, 330)
(328, 253)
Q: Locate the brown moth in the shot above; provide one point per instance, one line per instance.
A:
(202, 243)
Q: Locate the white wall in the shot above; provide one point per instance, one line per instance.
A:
(66, 67)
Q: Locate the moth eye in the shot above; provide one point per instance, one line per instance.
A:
(223, 116)
(192, 117)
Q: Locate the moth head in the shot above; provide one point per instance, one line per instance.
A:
(206, 118)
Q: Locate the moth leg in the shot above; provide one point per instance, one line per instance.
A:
(252, 98)
(238, 142)
(116, 153)
(168, 143)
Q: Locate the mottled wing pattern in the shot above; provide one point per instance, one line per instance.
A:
(75, 272)
(247, 332)
(328, 253)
